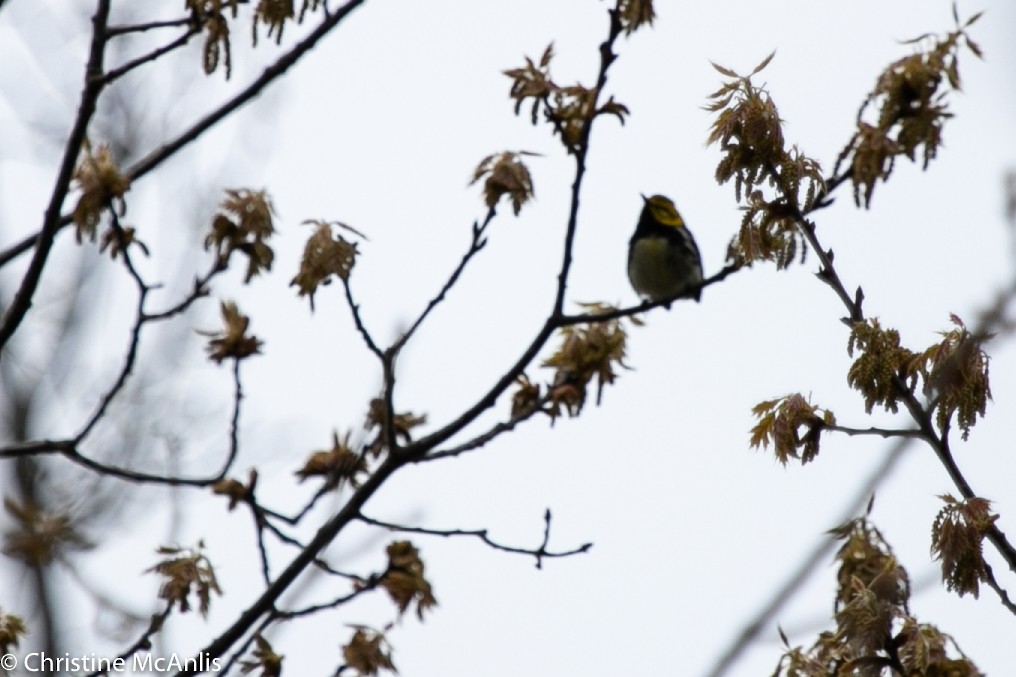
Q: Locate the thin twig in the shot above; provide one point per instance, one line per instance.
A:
(881, 432)
(354, 308)
(488, 436)
(539, 553)
(19, 248)
(477, 243)
(114, 31)
(607, 57)
(989, 578)
(629, 311)
(368, 585)
(183, 39)
(319, 563)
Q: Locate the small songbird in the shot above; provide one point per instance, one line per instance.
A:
(663, 259)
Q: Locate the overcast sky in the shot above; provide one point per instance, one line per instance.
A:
(381, 128)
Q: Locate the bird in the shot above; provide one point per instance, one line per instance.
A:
(663, 259)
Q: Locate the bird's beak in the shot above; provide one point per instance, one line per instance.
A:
(644, 198)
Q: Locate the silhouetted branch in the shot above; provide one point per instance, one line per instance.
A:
(269, 75)
(485, 438)
(477, 243)
(51, 220)
(881, 432)
(539, 553)
(114, 31)
(116, 73)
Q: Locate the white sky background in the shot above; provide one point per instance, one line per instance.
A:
(381, 128)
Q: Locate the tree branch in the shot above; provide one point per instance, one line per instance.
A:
(423, 446)
(270, 74)
(265, 603)
(51, 220)
(539, 553)
(114, 31)
(921, 416)
(881, 432)
(119, 72)
(475, 246)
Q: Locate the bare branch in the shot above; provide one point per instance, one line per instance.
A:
(269, 75)
(881, 432)
(114, 31)
(630, 311)
(19, 248)
(607, 57)
(354, 308)
(539, 553)
(999, 590)
(51, 220)
(119, 72)
(478, 243)
(485, 438)
(369, 584)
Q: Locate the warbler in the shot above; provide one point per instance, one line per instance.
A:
(663, 259)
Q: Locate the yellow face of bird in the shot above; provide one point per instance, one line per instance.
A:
(664, 212)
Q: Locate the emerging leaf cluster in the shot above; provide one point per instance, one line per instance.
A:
(186, 571)
(368, 652)
(506, 175)
(208, 15)
(909, 100)
(957, 535)
(325, 254)
(38, 537)
(275, 14)
(876, 635)
(404, 580)
(335, 465)
(12, 629)
(232, 341)
(401, 427)
(526, 398)
(749, 132)
(881, 366)
(265, 659)
(118, 239)
(589, 351)
(780, 424)
(244, 224)
(102, 185)
(211, 17)
(571, 108)
(635, 13)
(954, 372)
(236, 490)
